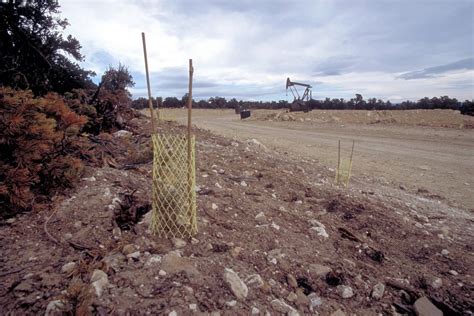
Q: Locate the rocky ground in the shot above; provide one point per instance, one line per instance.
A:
(275, 237)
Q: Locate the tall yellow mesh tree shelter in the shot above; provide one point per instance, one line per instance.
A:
(174, 178)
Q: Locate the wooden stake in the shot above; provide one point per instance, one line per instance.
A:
(350, 164)
(190, 106)
(338, 161)
(150, 104)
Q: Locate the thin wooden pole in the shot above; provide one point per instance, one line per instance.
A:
(350, 164)
(338, 161)
(190, 161)
(150, 104)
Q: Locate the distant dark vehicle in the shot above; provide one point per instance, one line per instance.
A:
(467, 108)
(244, 114)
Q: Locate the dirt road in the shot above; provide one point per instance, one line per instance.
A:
(435, 161)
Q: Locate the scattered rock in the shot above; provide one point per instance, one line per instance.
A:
(437, 283)
(234, 252)
(318, 270)
(78, 224)
(10, 220)
(255, 311)
(453, 272)
(153, 260)
(275, 226)
(402, 187)
(445, 252)
(122, 133)
(231, 303)
(243, 183)
(314, 301)
(68, 267)
(173, 313)
(194, 241)
(162, 273)
(254, 280)
(339, 312)
(173, 263)
(345, 291)
(99, 281)
(193, 307)
(214, 206)
(114, 261)
(282, 307)
(219, 235)
(321, 231)
(261, 219)
(291, 281)
(424, 307)
(128, 249)
(178, 243)
(292, 297)
(67, 236)
(58, 307)
(378, 291)
(236, 285)
(134, 255)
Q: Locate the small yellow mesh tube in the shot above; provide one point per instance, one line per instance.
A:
(344, 172)
(174, 181)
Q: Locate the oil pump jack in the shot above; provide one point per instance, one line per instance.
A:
(300, 103)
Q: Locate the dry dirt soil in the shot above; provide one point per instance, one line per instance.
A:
(426, 150)
(299, 244)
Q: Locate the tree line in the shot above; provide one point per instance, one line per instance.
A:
(356, 103)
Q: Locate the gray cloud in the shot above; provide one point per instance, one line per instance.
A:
(463, 64)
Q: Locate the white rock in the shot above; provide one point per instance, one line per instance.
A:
(153, 260)
(236, 285)
(231, 303)
(214, 206)
(173, 313)
(445, 252)
(453, 272)
(437, 283)
(254, 280)
(68, 267)
(275, 226)
(122, 133)
(282, 307)
(91, 179)
(260, 218)
(57, 307)
(99, 281)
(378, 291)
(321, 231)
(134, 255)
(218, 185)
(162, 272)
(255, 311)
(194, 241)
(243, 183)
(345, 291)
(178, 243)
(314, 301)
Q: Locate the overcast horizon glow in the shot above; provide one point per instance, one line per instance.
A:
(393, 50)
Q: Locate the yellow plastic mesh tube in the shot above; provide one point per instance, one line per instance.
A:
(174, 181)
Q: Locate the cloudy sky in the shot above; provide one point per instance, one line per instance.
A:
(389, 49)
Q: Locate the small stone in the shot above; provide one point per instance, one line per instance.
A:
(77, 224)
(445, 252)
(345, 291)
(178, 243)
(214, 206)
(153, 260)
(117, 233)
(318, 270)
(314, 301)
(453, 272)
(437, 283)
(243, 183)
(57, 307)
(122, 133)
(193, 307)
(68, 267)
(378, 291)
(273, 260)
(291, 281)
(10, 221)
(218, 185)
(162, 272)
(424, 307)
(234, 252)
(292, 297)
(128, 249)
(339, 312)
(254, 280)
(67, 236)
(231, 303)
(321, 231)
(402, 187)
(99, 281)
(282, 307)
(173, 313)
(275, 226)
(236, 285)
(255, 311)
(261, 218)
(134, 255)
(219, 235)
(194, 241)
